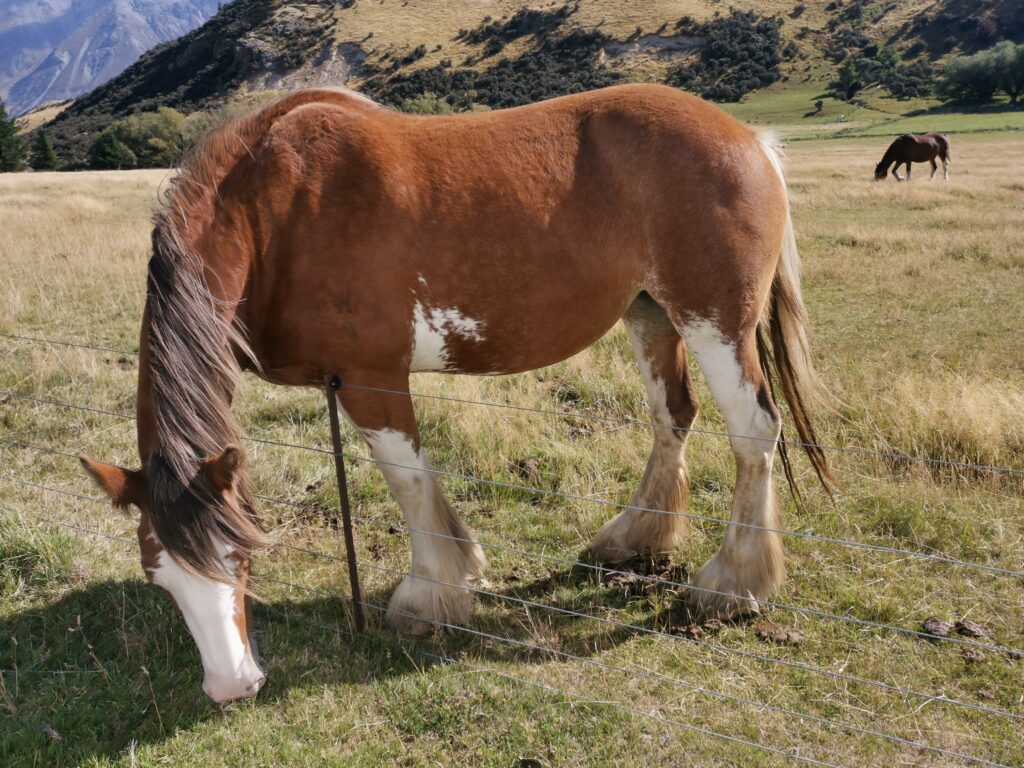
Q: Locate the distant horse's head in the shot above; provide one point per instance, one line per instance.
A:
(215, 604)
(881, 171)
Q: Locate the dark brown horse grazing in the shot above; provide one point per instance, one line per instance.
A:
(915, 149)
(325, 235)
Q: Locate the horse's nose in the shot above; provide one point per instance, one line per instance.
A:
(225, 690)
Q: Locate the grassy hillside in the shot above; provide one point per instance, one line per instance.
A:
(916, 294)
(504, 52)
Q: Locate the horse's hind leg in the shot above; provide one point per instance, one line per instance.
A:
(749, 565)
(935, 168)
(945, 167)
(661, 356)
(445, 560)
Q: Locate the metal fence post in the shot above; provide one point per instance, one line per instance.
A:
(333, 385)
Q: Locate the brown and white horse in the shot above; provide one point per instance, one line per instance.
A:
(324, 234)
(915, 149)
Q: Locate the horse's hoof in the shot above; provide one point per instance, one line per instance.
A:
(422, 606)
(724, 609)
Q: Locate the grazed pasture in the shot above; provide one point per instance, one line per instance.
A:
(917, 297)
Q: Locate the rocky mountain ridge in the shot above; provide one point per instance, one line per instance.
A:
(59, 49)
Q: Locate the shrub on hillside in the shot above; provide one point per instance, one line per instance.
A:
(741, 53)
(426, 104)
(977, 78)
(156, 139)
(526, 21)
(559, 62)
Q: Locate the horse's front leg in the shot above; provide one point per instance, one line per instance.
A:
(445, 559)
(896, 172)
(908, 170)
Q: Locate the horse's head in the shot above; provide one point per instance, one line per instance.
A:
(881, 171)
(215, 603)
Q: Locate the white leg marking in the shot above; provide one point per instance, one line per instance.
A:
(752, 431)
(749, 564)
(210, 609)
(664, 485)
(443, 565)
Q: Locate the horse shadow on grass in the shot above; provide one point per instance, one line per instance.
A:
(111, 665)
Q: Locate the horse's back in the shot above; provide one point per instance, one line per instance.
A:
(530, 229)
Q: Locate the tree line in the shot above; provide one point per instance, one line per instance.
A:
(159, 139)
(980, 77)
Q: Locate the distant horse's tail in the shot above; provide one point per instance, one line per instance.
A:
(943, 146)
(788, 361)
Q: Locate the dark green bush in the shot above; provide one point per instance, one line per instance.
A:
(561, 61)
(741, 53)
(977, 78)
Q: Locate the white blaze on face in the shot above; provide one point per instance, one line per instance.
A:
(211, 609)
(431, 330)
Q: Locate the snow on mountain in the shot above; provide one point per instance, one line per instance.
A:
(59, 49)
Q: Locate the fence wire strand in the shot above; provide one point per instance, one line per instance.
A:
(642, 674)
(621, 625)
(634, 629)
(663, 679)
(888, 455)
(838, 541)
(604, 569)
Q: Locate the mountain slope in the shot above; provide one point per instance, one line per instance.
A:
(59, 49)
(501, 52)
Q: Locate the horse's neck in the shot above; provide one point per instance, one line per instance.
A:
(888, 158)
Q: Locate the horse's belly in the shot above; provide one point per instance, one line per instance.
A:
(448, 339)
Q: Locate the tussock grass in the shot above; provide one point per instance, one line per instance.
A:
(915, 292)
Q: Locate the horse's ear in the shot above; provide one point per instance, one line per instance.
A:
(223, 468)
(123, 486)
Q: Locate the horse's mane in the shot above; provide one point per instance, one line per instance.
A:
(194, 345)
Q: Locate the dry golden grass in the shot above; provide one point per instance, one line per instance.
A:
(40, 116)
(398, 26)
(916, 293)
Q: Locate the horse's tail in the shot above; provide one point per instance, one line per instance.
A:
(192, 348)
(944, 146)
(788, 361)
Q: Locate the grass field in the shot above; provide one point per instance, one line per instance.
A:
(916, 293)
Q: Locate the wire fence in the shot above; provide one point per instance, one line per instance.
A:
(664, 634)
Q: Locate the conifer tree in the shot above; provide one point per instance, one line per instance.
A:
(44, 157)
(12, 148)
(109, 153)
